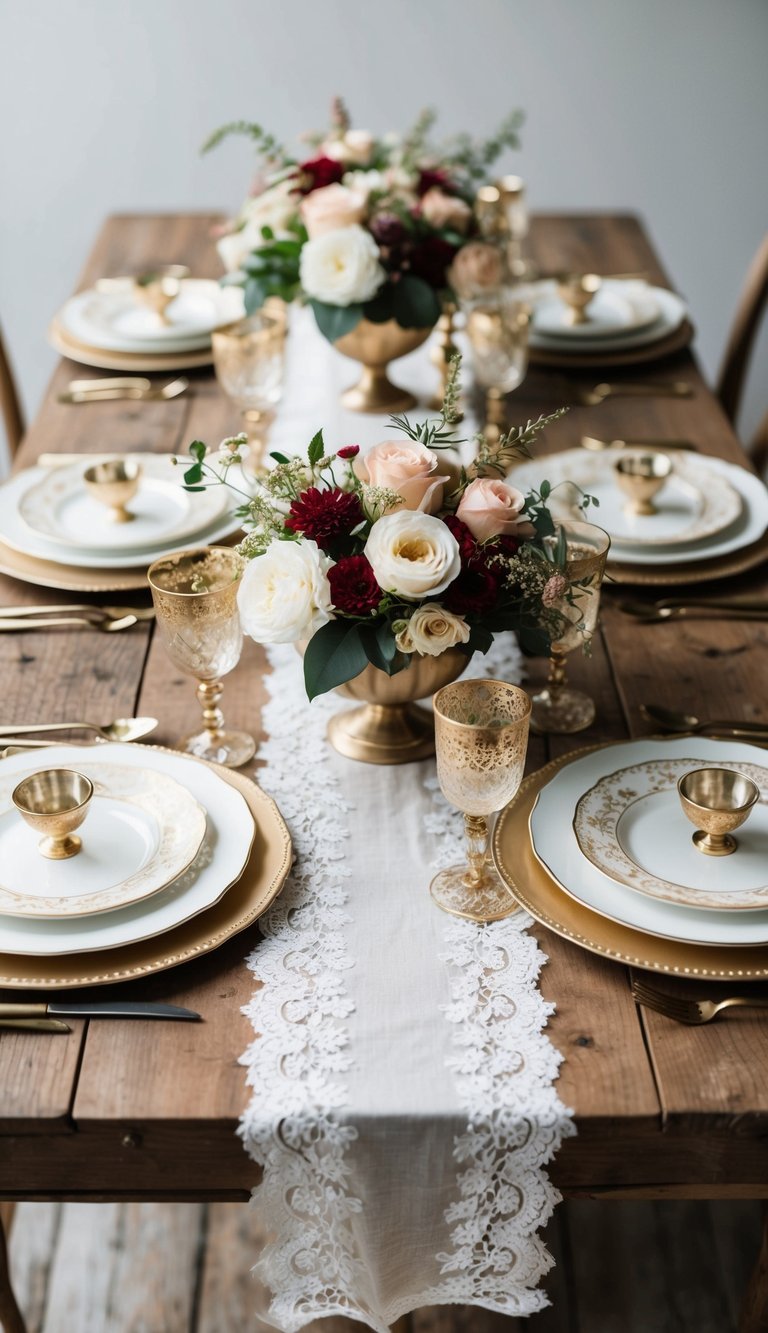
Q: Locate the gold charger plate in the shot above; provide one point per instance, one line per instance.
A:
(261, 881)
(698, 571)
(69, 578)
(538, 893)
(673, 342)
(130, 361)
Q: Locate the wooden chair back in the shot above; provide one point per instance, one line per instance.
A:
(10, 403)
(746, 322)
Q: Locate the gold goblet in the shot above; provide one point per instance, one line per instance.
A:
(481, 734)
(157, 287)
(557, 708)
(497, 328)
(55, 802)
(578, 291)
(249, 359)
(641, 477)
(195, 597)
(717, 801)
(114, 483)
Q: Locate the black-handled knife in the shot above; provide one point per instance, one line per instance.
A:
(104, 1009)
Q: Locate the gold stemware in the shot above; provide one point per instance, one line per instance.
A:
(157, 287)
(497, 329)
(195, 597)
(578, 291)
(113, 484)
(249, 359)
(717, 801)
(558, 708)
(641, 476)
(54, 802)
(481, 734)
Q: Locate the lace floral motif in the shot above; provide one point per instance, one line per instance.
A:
(505, 1068)
(297, 1062)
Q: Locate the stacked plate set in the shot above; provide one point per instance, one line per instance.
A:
(597, 847)
(709, 517)
(627, 321)
(176, 857)
(55, 533)
(107, 326)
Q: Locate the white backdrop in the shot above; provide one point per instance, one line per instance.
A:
(631, 104)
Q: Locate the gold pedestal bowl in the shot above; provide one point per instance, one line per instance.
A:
(374, 346)
(390, 728)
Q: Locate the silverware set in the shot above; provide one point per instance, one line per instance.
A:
(631, 389)
(128, 387)
(685, 724)
(690, 1011)
(106, 619)
(673, 608)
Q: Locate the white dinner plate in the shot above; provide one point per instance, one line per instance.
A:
(141, 832)
(116, 322)
(555, 845)
(229, 835)
(17, 534)
(619, 308)
(672, 312)
(747, 528)
(628, 826)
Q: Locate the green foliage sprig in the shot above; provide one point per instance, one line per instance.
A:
(264, 142)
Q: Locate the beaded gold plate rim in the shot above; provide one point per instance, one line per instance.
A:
(264, 876)
(702, 571)
(540, 895)
(104, 360)
(68, 578)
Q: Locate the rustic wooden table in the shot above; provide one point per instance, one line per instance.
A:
(148, 1111)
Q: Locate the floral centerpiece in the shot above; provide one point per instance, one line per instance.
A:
(363, 228)
(389, 558)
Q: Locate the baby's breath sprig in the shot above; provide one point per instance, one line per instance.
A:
(378, 500)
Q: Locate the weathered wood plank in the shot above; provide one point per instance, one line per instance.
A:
(32, 1249)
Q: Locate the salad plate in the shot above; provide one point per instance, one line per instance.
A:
(115, 321)
(619, 308)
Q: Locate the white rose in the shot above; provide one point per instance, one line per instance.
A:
(273, 208)
(412, 554)
(284, 594)
(431, 630)
(342, 267)
(366, 182)
(355, 147)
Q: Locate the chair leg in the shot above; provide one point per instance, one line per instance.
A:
(754, 1312)
(11, 1319)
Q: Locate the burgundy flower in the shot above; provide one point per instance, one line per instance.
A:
(467, 543)
(387, 229)
(474, 591)
(428, 179)
(431, 259)
(353, 586)
(317, 172)
(505, 545)
(349, 451)
(323, 515)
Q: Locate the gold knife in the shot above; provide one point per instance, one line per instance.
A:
(35, 1024)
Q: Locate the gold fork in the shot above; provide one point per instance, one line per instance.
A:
(693, 1012)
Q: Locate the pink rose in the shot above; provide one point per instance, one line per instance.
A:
(477, 268)
(492, 509)
(409, 469)
(446, 210)
(354, 148)
(331, 208)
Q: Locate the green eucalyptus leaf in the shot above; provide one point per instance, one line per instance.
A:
(316, 449)
(280, 458)
(193, 475)
(334, 655)
(198, 450)
(334, 321)
(534, 641)
(381, 308)
(415, 304)
(254, 295)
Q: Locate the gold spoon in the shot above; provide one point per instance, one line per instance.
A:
(643, 389)
(122, 729)
(686, 722)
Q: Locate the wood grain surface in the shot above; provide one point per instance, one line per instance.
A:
(139, 1110)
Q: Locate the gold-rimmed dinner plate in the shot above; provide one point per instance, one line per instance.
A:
(543, 898)
(700, 571)
(244, 902)
(580, 359)
(131, 362)
(142, 831)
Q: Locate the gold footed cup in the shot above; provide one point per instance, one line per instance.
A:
(717, 801)
(374, 346)
(390, 728)
(55, 802)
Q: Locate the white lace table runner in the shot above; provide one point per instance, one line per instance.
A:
(402, 1086)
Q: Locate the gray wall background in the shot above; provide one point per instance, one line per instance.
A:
(631, 104)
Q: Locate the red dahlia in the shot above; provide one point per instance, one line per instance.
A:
(323, 515)
(317, 172)
(353, 586)
(467, 544)
(430, 260)
(475, 590)
(429, 179)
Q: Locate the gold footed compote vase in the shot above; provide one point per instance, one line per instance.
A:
(374, 346)
(481, 731)
(390, 728)
(195, 597)
(558, 708)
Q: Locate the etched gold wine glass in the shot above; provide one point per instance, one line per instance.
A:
(195, 597)
(558, 708)
(249, 359)
(497, 329)
(481, 736)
